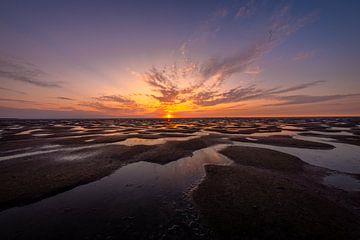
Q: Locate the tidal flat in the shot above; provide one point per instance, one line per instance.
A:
(222, 178)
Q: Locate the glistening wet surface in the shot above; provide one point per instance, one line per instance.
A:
(139, 200)
(143, 199)
(342, 181)
(329, 158)
(343, 158)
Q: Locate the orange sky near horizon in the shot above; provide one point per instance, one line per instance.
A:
(243, 59)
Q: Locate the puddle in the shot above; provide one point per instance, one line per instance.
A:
(42, 134)
(143, 141)
(266, 134)
(15, 127)
(50, 146)
(51, 150)
(137, 193)
(27, 131)
(127, 142)
(78, 129)
(340, 128)
(342, 181)
(344, 157)
(290, 127)
(146, 198)
(27, 154)
(76, 157)
(251, 139)
(332, 133)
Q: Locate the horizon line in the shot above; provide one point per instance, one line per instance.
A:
(149, 118)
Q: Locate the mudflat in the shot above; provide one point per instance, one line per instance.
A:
(151, 179)
(31, 178)
(284, 141)
(267, 194)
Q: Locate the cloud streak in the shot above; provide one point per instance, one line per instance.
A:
(246, 10)
(101, 107)
(7, 112)
(113, 104)
(307, 99)
(202, 82)
(298, 87)
(24, 72)
(117, 99)
(12, 90)
(65, 98)
(15, 100)
(304, 55)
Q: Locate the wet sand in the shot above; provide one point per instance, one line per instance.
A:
(272, 195)
(31, 178)
(46, 165)
(349, 139)
(285, 141)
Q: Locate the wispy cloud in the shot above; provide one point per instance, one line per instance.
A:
(306, 99)
(247, 9)
(116, 98)
(304, 55)
(298, 87)
(253, 71)
(98, 106)
(47, 113)
(15, 100)
(164, 83)
(101, 107)
(202, 82)
(221, 68)
(12, 90)
(113, 104)
(65, 98)
(232, 96)
(24, 72)
(246, 93)
(207, 29)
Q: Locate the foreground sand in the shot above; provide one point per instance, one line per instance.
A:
(29, 179)
(264, 194)
(272, 195)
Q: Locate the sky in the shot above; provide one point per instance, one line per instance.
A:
(204, 58)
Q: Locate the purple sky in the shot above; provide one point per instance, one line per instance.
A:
(70, 59)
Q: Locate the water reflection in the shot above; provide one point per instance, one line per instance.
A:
(143, 196)
(138, 191)
(143, 141)
(344, 157)
(342, 181)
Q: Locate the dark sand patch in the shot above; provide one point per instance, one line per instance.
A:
(348, 139)
(232, 131)
(285, 141)
(263, 196)
(355, 131)
(264, 158)
(250, 203)
(175, 130)
(36, 143)
(174, 150)
(32, 178)
(119, 138)
(72, 140)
